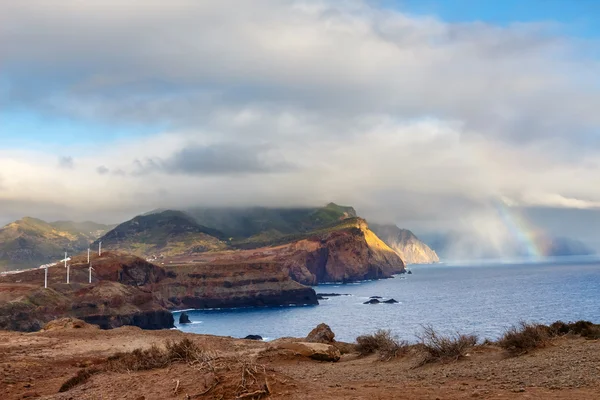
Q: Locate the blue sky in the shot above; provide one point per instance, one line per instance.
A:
(577, 17)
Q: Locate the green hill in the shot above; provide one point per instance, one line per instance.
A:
(269, 223)
(166, 232)
(30, 242)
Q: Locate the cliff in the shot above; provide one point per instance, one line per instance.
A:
(350, 252)
(230, 285)
(345, 251)
(127, 290)
(406, 244)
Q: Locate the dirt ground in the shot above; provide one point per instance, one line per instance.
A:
(35, 365)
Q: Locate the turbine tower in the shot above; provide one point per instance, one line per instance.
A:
(90, 280)
(100, 249)
(46, 277)
(68, 267)
(88, 254)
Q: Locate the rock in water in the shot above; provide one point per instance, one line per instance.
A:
(409, 272)
(372, 301)
(253, 337)
(390, 301)
(184, 318)
(321, 334)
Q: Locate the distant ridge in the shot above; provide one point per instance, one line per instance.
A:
(30, 242)
(410, 248)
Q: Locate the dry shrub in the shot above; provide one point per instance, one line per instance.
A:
(138, 360)
(525, 337)
(438, 348)
(155, 357)
(82, 376)
(585, 329)
(383, 342)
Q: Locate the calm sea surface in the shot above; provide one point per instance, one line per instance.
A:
(481, 299)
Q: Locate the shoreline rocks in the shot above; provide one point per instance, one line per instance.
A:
(184, 318)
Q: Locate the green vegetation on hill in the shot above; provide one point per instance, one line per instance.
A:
(166, 232)
(269, 223)
(30, 242)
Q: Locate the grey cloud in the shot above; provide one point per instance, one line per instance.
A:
(521, 82)
(102, 170)
(217, 159)
(66, 162)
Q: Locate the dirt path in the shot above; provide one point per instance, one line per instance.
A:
(36, 365)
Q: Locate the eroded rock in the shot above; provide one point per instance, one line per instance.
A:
(321, 334)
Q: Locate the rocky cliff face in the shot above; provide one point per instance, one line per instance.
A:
(406, 244)
(351, 253)
(127, 290)
(231, 285)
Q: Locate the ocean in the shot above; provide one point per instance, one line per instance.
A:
(480, 298)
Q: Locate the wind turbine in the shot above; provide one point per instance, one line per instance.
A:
(91, 272)
(100, 249)
(88, 254)
(46, 277)
(68, 267)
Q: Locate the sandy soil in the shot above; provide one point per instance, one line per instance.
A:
(35, 365)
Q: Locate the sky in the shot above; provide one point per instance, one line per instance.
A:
(424, 113)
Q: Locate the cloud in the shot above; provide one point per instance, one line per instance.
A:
(298, 102)
(66, 162)
(217, 159)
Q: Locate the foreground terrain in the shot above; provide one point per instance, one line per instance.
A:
(36, 365)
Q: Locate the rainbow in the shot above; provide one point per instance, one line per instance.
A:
(522, 230)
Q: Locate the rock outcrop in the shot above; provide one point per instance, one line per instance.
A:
(184, 318)
(406, 244)
(321, 334)
(315, 351)
(346, 253)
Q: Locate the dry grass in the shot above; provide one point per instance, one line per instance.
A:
(439, 348)
(525, 337)
(154, 357)
(238, 377)
(383, 343)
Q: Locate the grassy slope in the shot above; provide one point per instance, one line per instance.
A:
(262, 225)
(30, 242)
(166, 232)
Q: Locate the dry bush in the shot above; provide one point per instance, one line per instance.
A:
(525, 337)
(585, 329)
(383, 342)
(155, 357)
(138, 360)
(437, 347)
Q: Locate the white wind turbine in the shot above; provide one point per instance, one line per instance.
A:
(68, 267)
(90, 280)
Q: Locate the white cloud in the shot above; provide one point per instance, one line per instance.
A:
(400, 115)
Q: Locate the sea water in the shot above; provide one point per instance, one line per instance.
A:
(484, 299)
